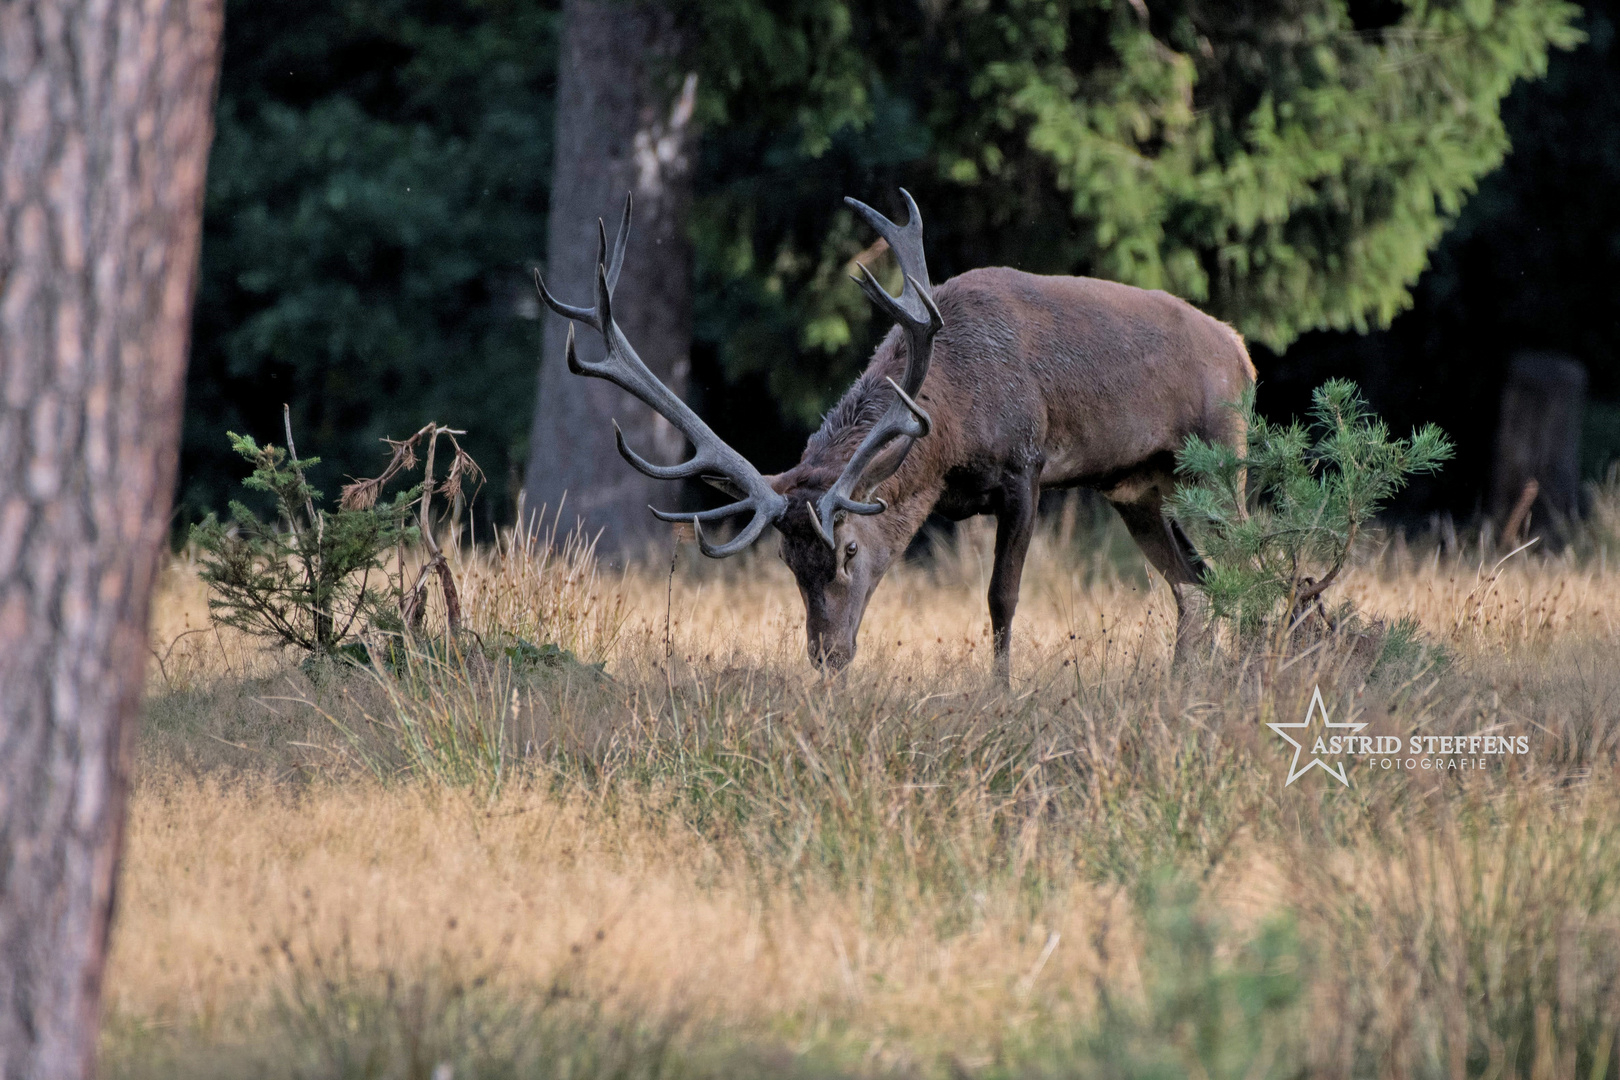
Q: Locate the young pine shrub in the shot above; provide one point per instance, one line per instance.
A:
(315, 579)
(308, 577)
(1279, 523)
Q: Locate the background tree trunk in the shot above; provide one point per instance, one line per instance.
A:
(105, 119)
(622, 124)
(1538, 438)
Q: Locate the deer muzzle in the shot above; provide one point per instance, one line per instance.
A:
(828, 653)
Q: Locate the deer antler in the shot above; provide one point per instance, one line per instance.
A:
(625, 369)
(914, 310)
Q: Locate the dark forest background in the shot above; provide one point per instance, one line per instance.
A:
(378, 199)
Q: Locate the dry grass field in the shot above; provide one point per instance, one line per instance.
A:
(703, 860)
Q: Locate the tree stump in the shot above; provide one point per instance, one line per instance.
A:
(1536, 476)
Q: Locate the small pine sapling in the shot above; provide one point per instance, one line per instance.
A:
(1278, 525)
(304, 578)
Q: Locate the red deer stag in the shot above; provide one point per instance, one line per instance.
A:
(993, 387)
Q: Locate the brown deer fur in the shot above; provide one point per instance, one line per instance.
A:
(1019, 383)
(1035, 382)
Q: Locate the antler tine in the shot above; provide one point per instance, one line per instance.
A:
(918, 316)
(625, 369)
(749, 534)
(876, 293)
(620, 242)
(914, 308)
(904, 240)
(567, 311)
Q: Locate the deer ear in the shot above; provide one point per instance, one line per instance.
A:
(884, 465)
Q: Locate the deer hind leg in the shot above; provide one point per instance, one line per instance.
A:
(1171, 553)
(1015, 524)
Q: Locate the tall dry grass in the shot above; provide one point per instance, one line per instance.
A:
(709, 861)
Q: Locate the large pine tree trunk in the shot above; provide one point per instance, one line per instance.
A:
(621, 125)
(105, 119)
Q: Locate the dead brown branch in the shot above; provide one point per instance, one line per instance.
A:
(463, 472)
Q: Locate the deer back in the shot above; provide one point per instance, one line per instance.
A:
(1092, 378)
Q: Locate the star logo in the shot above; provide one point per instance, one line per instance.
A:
(1317, 708)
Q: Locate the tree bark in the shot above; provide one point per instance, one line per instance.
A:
(1538, 441)
(105, 120)
(621, 125)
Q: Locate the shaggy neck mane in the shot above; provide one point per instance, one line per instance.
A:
(847, 422)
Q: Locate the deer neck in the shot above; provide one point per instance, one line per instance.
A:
(910, 494)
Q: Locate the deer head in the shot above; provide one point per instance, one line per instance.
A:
(841, 545)
(832, 535)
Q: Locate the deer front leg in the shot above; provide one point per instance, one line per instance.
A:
(1015, 524)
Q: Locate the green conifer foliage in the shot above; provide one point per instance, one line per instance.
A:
(1278, 524)
(377, 190)
(1285, 165)
(307, 578)
(376, 203)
